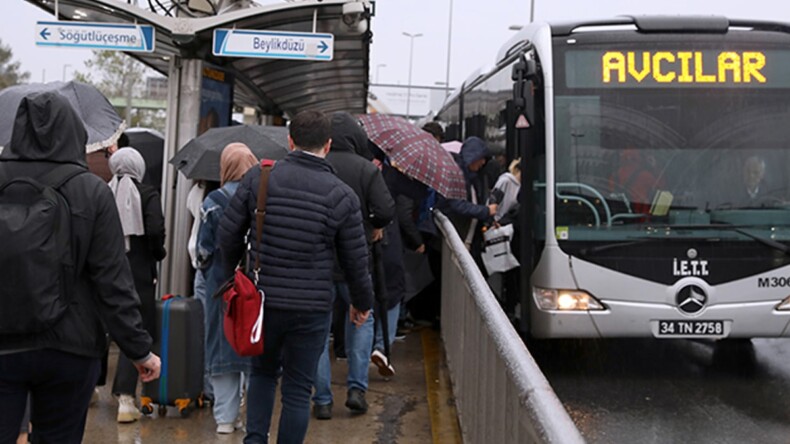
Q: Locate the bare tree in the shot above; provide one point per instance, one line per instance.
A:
(117, 75)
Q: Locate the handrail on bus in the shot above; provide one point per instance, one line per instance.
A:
(583, 200)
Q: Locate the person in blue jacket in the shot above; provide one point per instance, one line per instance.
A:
(224, 366)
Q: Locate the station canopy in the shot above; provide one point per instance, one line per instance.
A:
(272, 85)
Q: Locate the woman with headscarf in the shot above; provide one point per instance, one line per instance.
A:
(224, 366)
(144, 234)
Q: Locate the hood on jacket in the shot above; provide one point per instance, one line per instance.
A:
(47, 128)
(348, 135)
(474, 149)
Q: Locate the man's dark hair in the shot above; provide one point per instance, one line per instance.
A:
(435, 129)
(310, 130)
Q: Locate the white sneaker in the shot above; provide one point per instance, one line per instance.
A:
(230, 427)
(226, 428)
(127, 411)
(381, 361)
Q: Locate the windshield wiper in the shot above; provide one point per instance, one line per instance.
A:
(635, 241)
(740, 230)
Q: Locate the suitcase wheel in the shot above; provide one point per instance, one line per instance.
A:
(162, 410)
(183, 407)
(145, 405)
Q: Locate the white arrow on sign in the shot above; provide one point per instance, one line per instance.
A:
(273, 44)
(118, 36)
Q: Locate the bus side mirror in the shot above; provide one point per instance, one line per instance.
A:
(518, 76)
(523, 71)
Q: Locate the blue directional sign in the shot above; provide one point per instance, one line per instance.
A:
(118, 36)
(273, 44)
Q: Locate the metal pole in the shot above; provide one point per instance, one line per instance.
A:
(408, 88)
(183, 99)
(449, 45)
(66, 66)
(531, 10)
(411, 57)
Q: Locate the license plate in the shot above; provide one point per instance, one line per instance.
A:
(693, 329)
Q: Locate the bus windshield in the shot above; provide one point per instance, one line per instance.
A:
(671, 130)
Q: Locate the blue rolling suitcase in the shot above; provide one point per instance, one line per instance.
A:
(180, 346)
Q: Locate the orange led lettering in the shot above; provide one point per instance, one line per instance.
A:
(753, 62)
(639, 75)
(657, 74)
(613, 61)
(729, 61)
(699, 75)
(685, 67)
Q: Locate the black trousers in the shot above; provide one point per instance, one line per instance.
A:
(126, 377)
(60, 385)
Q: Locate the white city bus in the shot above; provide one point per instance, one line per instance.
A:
(657, 153)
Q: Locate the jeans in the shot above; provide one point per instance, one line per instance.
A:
(392, 327)
(359, 343)
(227, 397)
(200, 293)
(292, 344)
(60, 384)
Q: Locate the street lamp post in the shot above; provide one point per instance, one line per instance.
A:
(378, 67)
(411, 54)
(449, 41)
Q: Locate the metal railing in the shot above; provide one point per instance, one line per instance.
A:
(501, 394)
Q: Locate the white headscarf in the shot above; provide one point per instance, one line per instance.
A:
(127, 164)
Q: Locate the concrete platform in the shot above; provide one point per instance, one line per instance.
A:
(402, 409)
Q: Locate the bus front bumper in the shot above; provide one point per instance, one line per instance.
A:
(638, 320)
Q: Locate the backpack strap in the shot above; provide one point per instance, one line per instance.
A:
(59, 175)
(55, 177)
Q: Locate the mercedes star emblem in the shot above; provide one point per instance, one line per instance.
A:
(691, 298)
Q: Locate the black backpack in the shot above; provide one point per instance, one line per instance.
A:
(37, 268)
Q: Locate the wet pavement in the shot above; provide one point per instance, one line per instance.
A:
(678, 391)
(398, 413)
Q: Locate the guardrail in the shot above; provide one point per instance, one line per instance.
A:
(501, 394)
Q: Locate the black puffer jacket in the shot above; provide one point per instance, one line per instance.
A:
(47, 132)
(310, 213)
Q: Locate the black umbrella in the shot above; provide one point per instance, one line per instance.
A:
(102, 123)
(199, 159)
(150, 143)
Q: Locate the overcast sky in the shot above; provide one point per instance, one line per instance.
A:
(479, 28)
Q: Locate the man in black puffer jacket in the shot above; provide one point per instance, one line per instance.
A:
(347, 156)
(60, 365)
(310, 215)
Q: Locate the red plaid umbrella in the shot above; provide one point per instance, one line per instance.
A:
(416, 153)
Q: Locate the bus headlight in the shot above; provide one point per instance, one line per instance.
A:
(565, 300)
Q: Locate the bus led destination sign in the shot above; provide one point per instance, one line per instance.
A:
(682, 67)
(706, 68)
